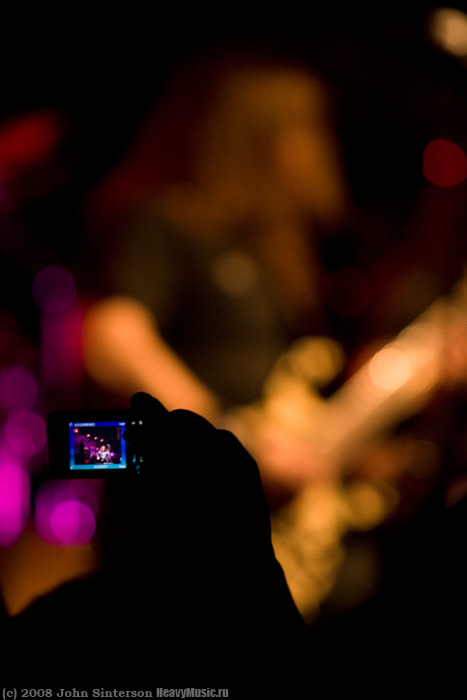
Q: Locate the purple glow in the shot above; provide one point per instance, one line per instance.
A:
(25, 433)
(73, 523)
(65, 512)
(18, 388)
(14, 501)
(54, 290)
(61, 347)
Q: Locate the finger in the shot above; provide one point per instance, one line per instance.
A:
(190, 422)
(146, 404)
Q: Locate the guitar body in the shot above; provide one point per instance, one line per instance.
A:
(394, 384)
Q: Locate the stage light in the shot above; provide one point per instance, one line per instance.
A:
(65, 512)
(14, 499)
(25, 433)
(73, 523)
(28, 140)
(18, 388)
(448, 28)
(54, 289)
(444, 163)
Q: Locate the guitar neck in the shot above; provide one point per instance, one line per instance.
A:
(397, 381)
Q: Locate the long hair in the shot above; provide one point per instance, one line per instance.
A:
(214, 123)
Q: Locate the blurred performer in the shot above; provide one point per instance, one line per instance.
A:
(224, 208)
(216, 272)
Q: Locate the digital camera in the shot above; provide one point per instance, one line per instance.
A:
(91, 443)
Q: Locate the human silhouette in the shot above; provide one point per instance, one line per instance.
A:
(189, 592)
(209, 264)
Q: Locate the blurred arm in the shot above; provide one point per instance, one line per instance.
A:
(124, 351)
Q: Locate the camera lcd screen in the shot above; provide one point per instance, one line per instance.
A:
(97, 445)
(84, 443)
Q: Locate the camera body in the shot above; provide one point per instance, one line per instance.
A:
(91, 443)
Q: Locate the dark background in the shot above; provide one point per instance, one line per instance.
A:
(102, 69)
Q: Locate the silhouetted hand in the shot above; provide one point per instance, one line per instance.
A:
(198, 509)
(205, 488)
(189, 591)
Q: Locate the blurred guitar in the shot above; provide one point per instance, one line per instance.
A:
(394, 384)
